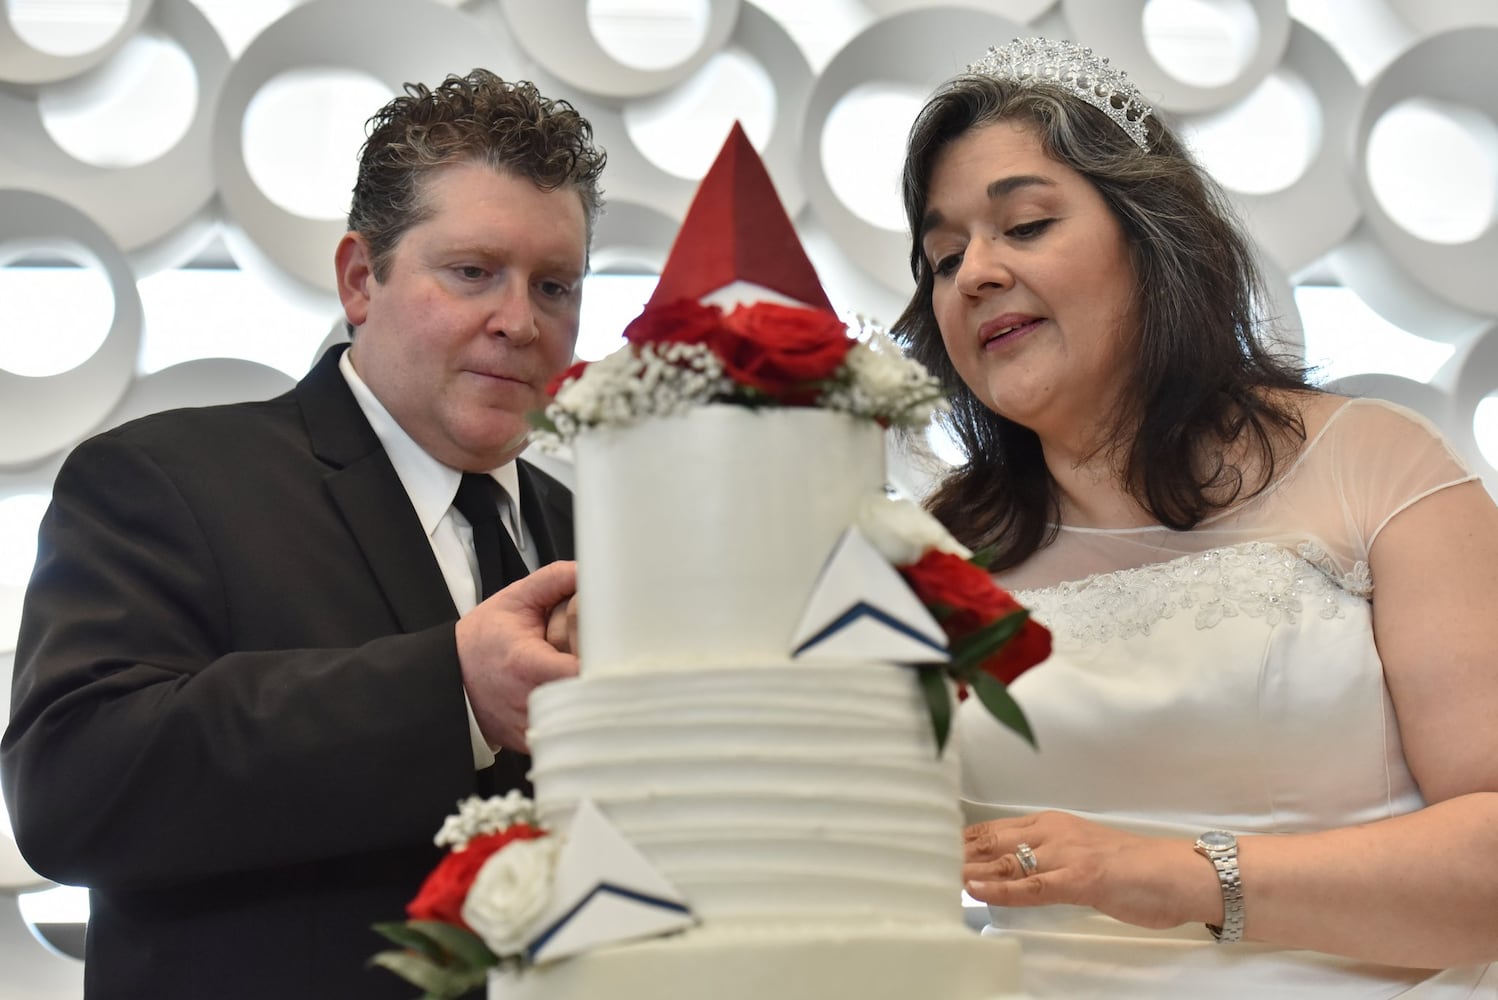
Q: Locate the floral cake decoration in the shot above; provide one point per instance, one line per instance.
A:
(477, 909)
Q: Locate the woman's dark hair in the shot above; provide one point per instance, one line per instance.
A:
(1199, 370)
(478, 118)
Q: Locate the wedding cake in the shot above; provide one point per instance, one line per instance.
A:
(799, 804)
(743, 794)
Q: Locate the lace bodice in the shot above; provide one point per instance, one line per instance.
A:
(1258, 579)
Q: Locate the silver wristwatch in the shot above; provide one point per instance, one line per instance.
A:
(1221, 848)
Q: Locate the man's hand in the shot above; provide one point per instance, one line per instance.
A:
(561, 626)
(505, 652)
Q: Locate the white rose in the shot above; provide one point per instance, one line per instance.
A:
(510, 893)
(902, 531)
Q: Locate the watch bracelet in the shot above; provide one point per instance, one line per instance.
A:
(1231, 881)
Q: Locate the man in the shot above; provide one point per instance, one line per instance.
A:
(244, 696)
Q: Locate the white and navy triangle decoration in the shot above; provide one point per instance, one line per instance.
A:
(862, 609)
(605, 892)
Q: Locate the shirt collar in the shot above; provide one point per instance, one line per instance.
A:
(430, 484)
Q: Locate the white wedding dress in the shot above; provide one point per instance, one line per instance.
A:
(1224, 677)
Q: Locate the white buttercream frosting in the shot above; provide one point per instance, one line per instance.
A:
(700, 536)
(763, 792)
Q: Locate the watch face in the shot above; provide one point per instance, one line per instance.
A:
(1217, 840)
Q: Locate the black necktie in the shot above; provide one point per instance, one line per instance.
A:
(478, 499)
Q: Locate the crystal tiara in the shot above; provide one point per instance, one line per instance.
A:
(1074, 68)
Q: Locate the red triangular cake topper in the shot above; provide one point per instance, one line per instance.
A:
(737, 230)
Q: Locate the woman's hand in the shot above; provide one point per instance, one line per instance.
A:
(1149, 881)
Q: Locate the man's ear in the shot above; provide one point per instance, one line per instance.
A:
(355, 274)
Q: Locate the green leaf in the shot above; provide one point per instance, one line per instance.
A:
(408, 937)
(539, 420)
(996, 698)
(983, 557)
(939, 701)
(941, 612)
(437, 982)
(975, 648)
(467, 948)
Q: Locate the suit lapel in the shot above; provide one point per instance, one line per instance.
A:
(546, 506)
(364, 487)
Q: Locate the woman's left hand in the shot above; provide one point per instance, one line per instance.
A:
(1148, 881)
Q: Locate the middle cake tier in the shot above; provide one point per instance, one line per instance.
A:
(763, 793)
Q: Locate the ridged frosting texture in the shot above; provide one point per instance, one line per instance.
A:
(765, 793)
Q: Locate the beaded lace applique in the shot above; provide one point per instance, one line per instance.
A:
(1258, 579)
(1358, 581)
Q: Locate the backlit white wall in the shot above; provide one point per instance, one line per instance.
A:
(191, 164)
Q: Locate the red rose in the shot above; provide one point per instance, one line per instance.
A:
(970, 594)
(442, 894)
(570, 373)
(684, 321)
(1028, 647)
(781, 350)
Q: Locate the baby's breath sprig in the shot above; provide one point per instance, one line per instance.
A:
(875, 380)
(478, 816)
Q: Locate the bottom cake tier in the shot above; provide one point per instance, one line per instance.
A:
(890, 962)
(802, 812)
(764, 794)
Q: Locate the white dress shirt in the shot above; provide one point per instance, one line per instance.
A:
(432, 487)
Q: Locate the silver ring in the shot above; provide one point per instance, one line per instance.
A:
(1027, 859)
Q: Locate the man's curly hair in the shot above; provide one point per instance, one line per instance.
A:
(475, 118)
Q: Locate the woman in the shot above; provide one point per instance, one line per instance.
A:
(1271, 716)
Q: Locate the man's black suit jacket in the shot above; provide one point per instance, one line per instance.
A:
(237, 710)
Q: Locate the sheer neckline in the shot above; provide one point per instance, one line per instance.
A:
(1284, 476)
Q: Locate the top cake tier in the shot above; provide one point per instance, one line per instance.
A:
(700, 537)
